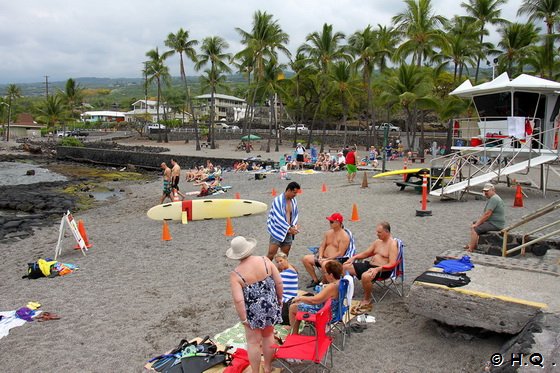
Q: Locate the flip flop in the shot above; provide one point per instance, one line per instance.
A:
(46, 316)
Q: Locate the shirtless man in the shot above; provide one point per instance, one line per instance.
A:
(282, 221)
(166, 183)
(175, 177)
(383, 251)
(333, 247)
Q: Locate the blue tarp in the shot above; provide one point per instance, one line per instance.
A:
(456, 265)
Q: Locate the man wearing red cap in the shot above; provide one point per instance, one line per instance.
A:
(333, 247)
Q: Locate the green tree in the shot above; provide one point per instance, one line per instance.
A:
(270, 85)
(484, 12)
(517, 41)
(53, 111)
(181, 44)
(345, 86)
(420, 28)
(213, 52)
(404, 87)
(547, 10)
(323, 48)
(156, 70)
(72, 97)
(12, 94)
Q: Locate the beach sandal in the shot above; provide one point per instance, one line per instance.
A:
(46, 316)
(357, 328)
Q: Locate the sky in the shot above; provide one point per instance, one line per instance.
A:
(109, 38)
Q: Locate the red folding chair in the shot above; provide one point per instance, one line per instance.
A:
(314, 349)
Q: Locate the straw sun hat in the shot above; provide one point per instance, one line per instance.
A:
(241, 247)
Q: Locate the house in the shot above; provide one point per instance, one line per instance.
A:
(143, 108)
(25, 126)
(229, 108)
(103, 116)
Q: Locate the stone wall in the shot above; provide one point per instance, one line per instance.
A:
(120, 158)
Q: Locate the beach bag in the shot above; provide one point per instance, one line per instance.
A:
(202, 356)
(33, 271)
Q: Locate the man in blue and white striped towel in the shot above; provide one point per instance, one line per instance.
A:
(282, 221)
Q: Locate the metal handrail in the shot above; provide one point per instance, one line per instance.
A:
(526, 219)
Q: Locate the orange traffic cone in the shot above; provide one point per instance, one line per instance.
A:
(165, 236)
(355, 216)
(229, 228)
(518, 202)
(237, 196)
(83, 233)
(364, 181)
(273, 193)
(324, 188)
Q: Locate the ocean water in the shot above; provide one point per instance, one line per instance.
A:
(14, 173)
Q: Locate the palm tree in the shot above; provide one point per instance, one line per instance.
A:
(387, 40)
(262, 42)
(212, 51)
(363, 45)
(300, 67)
(73, 95)
(404, 87)
(345, 85)
(158, 71)
(420, 28)
(270, 85)
(12, 93)
(484, 12)
(548, 11)
(517, 41)
(461, 45)
(323, 48)
(181, 44)
(53, 111)
(244, 61)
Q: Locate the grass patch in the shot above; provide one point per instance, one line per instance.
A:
(77, 171)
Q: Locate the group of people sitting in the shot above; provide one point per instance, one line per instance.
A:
(243, 165)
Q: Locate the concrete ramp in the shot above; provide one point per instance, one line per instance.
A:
(503, 296)
(487, 177)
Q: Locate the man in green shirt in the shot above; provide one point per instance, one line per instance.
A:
(493, 218)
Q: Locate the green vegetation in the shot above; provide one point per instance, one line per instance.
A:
(71, 141)
(404, 69)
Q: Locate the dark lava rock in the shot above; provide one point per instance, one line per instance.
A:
(30, 172)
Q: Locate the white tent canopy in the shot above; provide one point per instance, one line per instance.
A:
(523, 83)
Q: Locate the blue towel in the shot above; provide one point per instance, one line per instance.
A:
(456, 265)
(276, 223)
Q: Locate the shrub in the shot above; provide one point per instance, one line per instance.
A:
(71, 141)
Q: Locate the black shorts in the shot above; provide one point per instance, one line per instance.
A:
(361, 268)
(341, 260)
(175, 182)
(299, 157)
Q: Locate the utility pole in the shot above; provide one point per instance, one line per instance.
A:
(47, 85)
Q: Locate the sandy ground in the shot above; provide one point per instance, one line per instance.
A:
(136, 296)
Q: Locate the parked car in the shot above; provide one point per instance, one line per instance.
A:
(392, 127)
(221, 125)
(62, 133)
(154, 126)
(234, 128)
(300, 128)
(79, 133)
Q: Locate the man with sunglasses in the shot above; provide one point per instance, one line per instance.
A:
(493, 218)
(333, 247)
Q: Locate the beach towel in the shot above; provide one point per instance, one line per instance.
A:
(276, 223)
(8, 321)
(456, 265)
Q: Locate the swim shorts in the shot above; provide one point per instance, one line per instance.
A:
(351, 168)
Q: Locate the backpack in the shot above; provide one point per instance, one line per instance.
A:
(33, 271)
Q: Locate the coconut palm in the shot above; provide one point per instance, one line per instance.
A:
(263, 42)
(548, 11)
(484, 12)
(364, 47)
(404, 87)
(420, 29)
(73, 95)
(181, 44)
(300, 65)
(213, 52)
(345, 86)
(387, 40)
(12, 93)
(53, 111)
(244, 62)
(323, 48)
(517, 41)
(157, 71)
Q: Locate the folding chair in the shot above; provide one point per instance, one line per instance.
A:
(395, 281)
(314, 349)
(350, 251)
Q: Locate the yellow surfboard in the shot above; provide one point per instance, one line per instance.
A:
(203, 209)
(403, 172)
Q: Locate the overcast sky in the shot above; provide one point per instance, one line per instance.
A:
(109, 38)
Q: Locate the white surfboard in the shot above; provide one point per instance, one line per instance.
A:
(203, 209)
